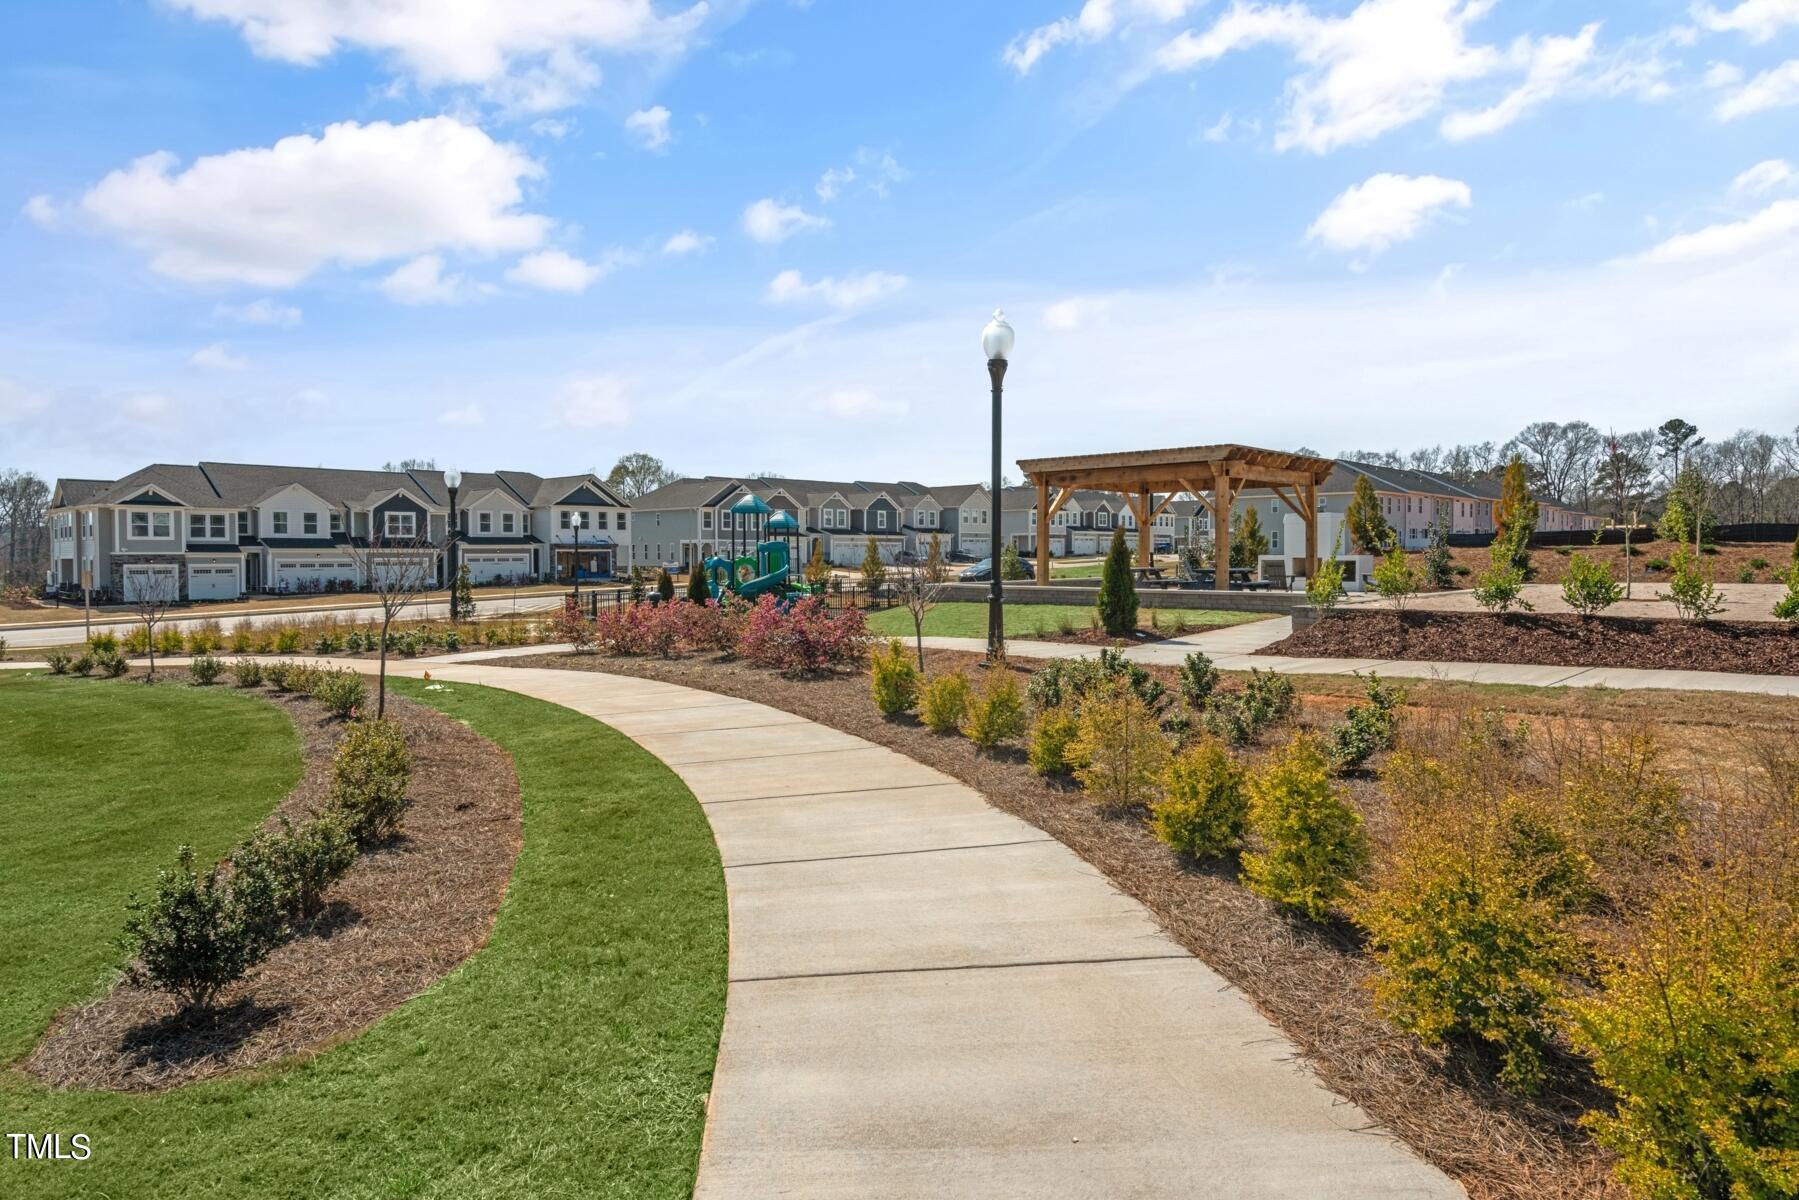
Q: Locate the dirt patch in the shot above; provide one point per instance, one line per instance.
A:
(403, 917)
(1311, 981)
(1551, 639)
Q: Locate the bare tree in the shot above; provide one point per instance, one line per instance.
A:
(151, 599)
(24, 505)
(636, 473)
(397, 570)
(411, 464)
(917, 590)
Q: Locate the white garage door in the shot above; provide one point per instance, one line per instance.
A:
(483, 568)
(146, 583)
(213, 583)
(977, 546)
(1086, 543)
(310, 574)
(847, 553)
(403, 571)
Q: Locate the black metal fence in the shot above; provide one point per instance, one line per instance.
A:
(1614, 535)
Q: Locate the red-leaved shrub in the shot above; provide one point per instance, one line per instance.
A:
(804, 638)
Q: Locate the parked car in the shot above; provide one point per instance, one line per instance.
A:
(981, 572)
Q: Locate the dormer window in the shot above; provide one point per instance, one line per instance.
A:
(309, 524)
(880, 518)
(506, 523)
(484, 522)
(278, 523)
(399, 524)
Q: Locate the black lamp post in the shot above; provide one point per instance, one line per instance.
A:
(996, 344)
(453, 481)
(577, 519)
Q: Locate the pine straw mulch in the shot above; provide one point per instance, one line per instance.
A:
(1310, 980)
(1551, 639)
(403, 917)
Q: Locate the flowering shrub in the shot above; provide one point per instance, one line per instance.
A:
(804, 638)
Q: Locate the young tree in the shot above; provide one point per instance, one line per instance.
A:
(874, 570)
(918, 591)
(1624, 479)
(153, 599)
(396, 569)
(462, 595)
(1118, 590)
(665, 586)
(1248, 543)
(698, 590)
(1439, 567)
(818, 571)
(1368, 526)
(1011, 566)
(938, 571)
(1396, 580)
(1514, 518)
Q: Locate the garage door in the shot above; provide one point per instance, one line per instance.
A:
(977, 546)
(484, 568)
(846, 552)
(146, 583)
(1086, 543)
(310, 574)
(213, 583)
(402, 572)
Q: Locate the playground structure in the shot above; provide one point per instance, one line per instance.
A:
(763, 544)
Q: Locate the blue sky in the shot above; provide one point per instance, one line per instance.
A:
(765, 235)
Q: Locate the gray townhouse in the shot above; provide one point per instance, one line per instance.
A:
(218, 531)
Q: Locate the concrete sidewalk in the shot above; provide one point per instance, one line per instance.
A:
(931, 998)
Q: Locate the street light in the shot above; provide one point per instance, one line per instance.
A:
(453, 481)
(577, 519)
(996, 344)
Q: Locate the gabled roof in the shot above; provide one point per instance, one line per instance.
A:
(186, 485)
(71, 492)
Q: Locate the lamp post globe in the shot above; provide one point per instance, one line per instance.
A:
(996, 344)
(452, 481)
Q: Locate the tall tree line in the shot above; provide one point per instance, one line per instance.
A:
(1749, 475)
(24, 531)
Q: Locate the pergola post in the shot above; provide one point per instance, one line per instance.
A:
(1311, 515)
(1221, 501)
(1140, 509)
(1043, 530)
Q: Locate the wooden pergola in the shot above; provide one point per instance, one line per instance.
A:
(1215, 475)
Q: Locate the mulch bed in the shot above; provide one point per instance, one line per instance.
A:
(1310, 980)
(404, 916)
(1551, 639)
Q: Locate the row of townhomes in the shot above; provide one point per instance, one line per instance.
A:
(691, 517)
(215, 531)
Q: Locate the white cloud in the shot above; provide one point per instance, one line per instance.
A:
(41, 212)
(851, 291)
(531, 57)
(832, 182)
(1096, 20)
(466, 416)
(422, 281)
(1759, 20)
(769, 221)
(1071, 314)
(354, 195)
(1373, 215)
(217, 357)
(877, 169)
(1723, 75)
(687, 242)
(853, 404)
(1388, 63)
(1763, 177)
(1777, 87)
(555, 128)
(1218, 130)
(650, 127)
(260, 312)
(592, 402)
(559, 271)
(1772, 227)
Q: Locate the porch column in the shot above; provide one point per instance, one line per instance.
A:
(1043, 531)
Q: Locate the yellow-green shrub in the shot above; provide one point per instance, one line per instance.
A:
(368, 781)
(997, 714)
(893, 679)
(1203, 809)
(1119, 751)
(1626, 813)
(1312, 843)
(1467, 927)
(1052, 736)
(943, 702)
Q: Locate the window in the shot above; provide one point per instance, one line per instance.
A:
(600, 520)
(562, 521)
(279, 521)
(243, 522)
(1105, 520)
(400, 524)
(621, 521)
(506, 522)
(484, 522)
(196, 526)
(151, 525)
(309, 524)
(337, 522)
(880, 518)
(705, 518)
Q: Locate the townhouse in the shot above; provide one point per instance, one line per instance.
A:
(218, 531)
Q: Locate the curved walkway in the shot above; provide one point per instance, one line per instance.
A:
(931, 998)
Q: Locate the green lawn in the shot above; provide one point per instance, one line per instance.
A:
(969, 619)
(571, 1056)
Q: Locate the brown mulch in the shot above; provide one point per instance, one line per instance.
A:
(402, 918)
(1551, 639)
(1312, 981)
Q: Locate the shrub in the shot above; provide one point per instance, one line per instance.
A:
(1367, 728)
(170, 641)
(1052, 735)
(1325, 587)
(1239, 718)
(943, 702)
(1656, 564)
(279, 675)
(1693, 1032)
(1746, 575)
(135, 643)
(59, 662)
(1690, 588)
(1203, 809)
(102, 642)
(1626, 813)
(1758, 564)
(698, 590)
(247, 672)
(1011, 565)
(1439, 567)
(288, 640)
(1119, 752)
(1072, 680)
(997, 714)
(368, 781)
(1118, 590)
(193, 937)
(1467, 934)
(1787, 607)
(805, 638)
(665, 586)
(83, 665)
(571, 626)
(205, 637)
(289, 870)
(894, 679)
(1197, 679)
(242, 637)
(1500, 588)
(205, 669)
(326, 643)
(342, 692)
(1396, 579)
(110, 663)
(1588, 586)
(1312, 843)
